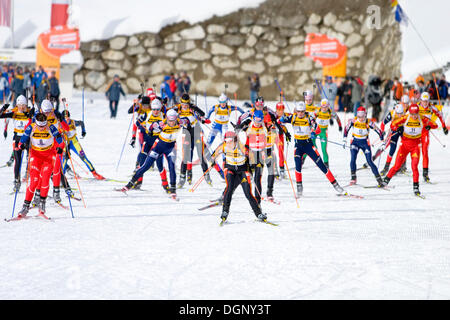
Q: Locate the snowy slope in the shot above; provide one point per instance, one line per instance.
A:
(146, 246)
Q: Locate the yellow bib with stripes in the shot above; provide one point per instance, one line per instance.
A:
(41, 140)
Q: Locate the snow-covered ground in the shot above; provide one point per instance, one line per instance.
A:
(390, 245)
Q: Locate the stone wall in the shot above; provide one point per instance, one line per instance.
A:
(268, 40)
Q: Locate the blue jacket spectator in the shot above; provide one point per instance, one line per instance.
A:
(165, 89)
(38, 76)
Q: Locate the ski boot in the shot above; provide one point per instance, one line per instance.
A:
(208, 179)
(182, 181)
(70, 172)
(10, 161)
(337, 187)
(262, 217)
(165, 186)
(173, 192)
(386, 180)
(69, 192)
(299, 189)
(16, 185)
(385, 169)
(282, 174)
(270, 194)
(425, 175)
(380, 181)
(41, 208)
(56, 194)
(137, 185)
(353, 179)
(26, 207)
(97, 176)
(416, 189)
(224, 215)
(37, 198)
(189, 176)
(128, 186)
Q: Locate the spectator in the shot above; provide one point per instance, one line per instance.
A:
(443, 88)
(431, 89)
(173, 87)
(26, 79)
(357, 90)
(346, 94)
(373, 96)
(183, 83)
(255, 86)
(5, 74)
(54, 89)
(397, 90)
(165, 89)
(38, 76)
(42, 90)
(3, 87)
(17, 84)
(330, 89)
(113, 94)
(421, 86)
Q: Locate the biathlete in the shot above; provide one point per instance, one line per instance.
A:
(302, 125)
(360, 141)
(46, 146)
(414, 125)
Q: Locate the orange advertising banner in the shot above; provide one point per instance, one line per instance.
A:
(330, 52)
(51, 45)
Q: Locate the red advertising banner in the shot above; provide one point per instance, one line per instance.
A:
(51, 45)
(331, 53)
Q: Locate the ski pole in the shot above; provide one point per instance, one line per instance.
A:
(82, 104)
(339, 144)
(292, 184)
(282, 94)
(67, 192)
(443, 145)
(17, 190)
(199, 181)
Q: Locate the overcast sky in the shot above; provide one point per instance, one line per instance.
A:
(105, 18)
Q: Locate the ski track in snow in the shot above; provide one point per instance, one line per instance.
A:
(389, 245)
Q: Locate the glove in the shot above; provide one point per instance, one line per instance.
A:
(340, 129)
(6, 106)
(428, 128)
(133, 141)
(5, 133)
(207, 121)
(142, 117)
(83, 134)
(22, 146)
(445, 130)
(59, 150)
(288, 137)
(331, 121)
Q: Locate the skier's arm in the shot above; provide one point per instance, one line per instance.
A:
(347, 128)
(374, 127)
(210, 112)
(429, 124)
(398, 123)
(79, 123)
